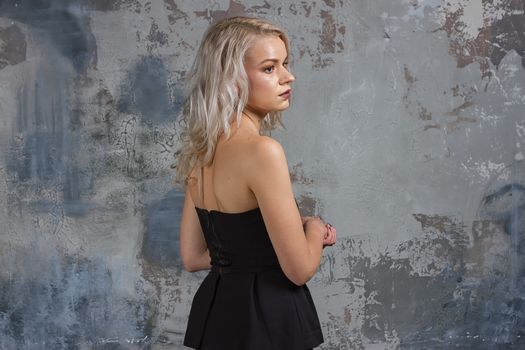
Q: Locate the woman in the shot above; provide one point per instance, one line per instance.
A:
(240, 218)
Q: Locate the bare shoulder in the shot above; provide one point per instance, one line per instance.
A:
(264, 149)
(267, 163)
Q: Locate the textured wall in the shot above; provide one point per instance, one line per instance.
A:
(407, 132)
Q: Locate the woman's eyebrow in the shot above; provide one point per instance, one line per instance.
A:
(275, 60)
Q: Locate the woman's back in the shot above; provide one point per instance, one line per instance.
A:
(223, 185)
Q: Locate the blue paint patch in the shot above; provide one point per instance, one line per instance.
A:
(77, 182)
(507, 204)
(66, 30)
(72, 302)
(37, 149)
(160, 245)
(146, 92)
(44, 144)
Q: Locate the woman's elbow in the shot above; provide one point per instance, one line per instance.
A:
(301, 276)
(188, 266)
(196, 263)
(194, 267)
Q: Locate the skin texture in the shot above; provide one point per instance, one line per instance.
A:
(250, 170)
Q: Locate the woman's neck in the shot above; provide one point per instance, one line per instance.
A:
(253, 119)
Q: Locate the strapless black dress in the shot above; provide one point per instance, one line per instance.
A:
(246, 302)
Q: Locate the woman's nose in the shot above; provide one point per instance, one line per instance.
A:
(287, 77)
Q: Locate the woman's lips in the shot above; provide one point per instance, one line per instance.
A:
(286, 94)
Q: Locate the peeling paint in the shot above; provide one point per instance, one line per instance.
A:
(297, 175)
(480, 31)
(309, 205)
(234, 9)
(409, 78)
(484, 170)
(441, 223)
(424, 114)
(175, 13)
(157, 36)
(328, 33)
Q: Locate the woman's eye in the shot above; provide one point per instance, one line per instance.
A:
(269, 69)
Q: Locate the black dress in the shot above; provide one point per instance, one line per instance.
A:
(246, 302)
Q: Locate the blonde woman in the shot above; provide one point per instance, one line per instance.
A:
(240, 218)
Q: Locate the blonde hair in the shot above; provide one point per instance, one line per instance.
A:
(217, 87)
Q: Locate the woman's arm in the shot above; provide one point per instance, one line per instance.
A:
(299, 251)
(193, 249)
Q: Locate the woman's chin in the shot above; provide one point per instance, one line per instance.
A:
(285, 105)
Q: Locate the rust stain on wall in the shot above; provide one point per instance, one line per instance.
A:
(454, 124)
(453, 118)
(458, 109)
(13, 46)
(422, 112)
(328, 43)
(440, 223)
(327, 33)
(466, 50)
(495, 39)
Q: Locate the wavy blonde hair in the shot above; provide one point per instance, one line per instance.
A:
(217, 90)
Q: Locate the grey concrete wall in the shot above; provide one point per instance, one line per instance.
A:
(407, 132)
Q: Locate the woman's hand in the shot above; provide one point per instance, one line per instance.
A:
(330, 236)
(329, 232)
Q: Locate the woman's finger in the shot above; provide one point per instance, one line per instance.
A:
(331, 238)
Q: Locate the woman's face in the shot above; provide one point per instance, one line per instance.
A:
(266, 64)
